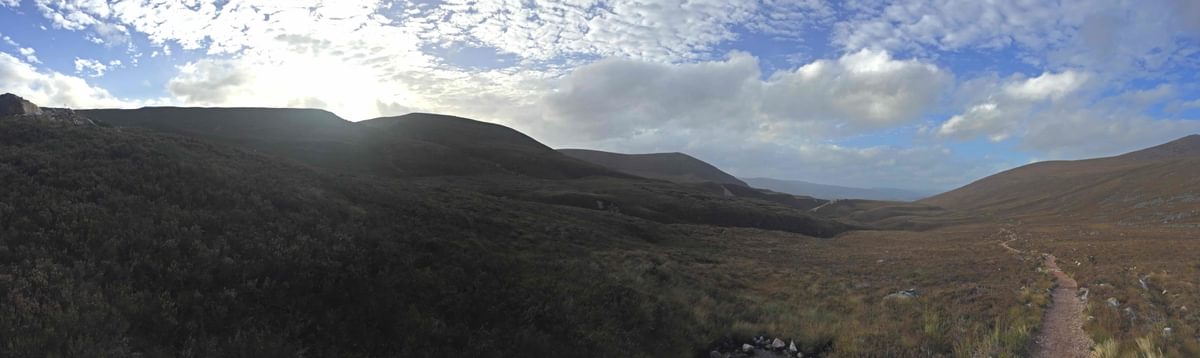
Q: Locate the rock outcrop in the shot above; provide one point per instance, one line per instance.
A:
(13, 106)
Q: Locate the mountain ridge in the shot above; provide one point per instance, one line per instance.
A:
(670, 166)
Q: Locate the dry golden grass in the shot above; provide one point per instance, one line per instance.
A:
(1152, 272)
(976, 298)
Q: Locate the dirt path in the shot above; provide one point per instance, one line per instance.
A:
(1062, 332)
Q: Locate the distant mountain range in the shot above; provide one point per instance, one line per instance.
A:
(683, 168)
(831, 192)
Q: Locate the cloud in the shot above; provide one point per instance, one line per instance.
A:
(1046, 86)
(996, 109)
(1063, 116)
(859, 91)
(985, 119)
(662, 31)
(621, 98)
(30, 54)
(1099, 36)
(90, 67)
(349, 90)
(864, 90)
(782, 126)
(53, 89)
(10, 3)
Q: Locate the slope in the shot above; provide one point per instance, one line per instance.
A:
(824, 191)
(675, 167)
(128, 242)
(410, 145)
(483, 157)
(1156, 185)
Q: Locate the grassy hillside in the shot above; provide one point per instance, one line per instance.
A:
(123, 242)
(484, 156)
(675, 167)
(1159, 185)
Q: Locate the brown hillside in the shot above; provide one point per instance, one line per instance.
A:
(1154, 185)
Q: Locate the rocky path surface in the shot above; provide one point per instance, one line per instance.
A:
(1062, 332)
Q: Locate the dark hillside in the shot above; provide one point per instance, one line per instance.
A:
(492, 158)
(431, 144)
(676, 167)
(126, 242)
(311, 136)
(410, 145)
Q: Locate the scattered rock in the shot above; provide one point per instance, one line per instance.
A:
(1167, 331)
(746, 347)
(13, 106)
(777, 344)
(903, 295)
(792, 347)
(715, 354)
(1130, 313)
(1113, 302)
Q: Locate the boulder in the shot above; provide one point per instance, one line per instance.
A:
(792, 347)
(903, 295)
(747, 348)
(777, 344)
(13, 105)
(1112, 301)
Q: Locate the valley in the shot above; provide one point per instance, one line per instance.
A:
(283, 232)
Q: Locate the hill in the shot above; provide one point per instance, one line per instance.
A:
(410, 145)
(1158, 185)
(127, 241)
(675, 167)
(831, 192)
(475, 155)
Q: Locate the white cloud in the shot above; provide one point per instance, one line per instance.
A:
(864, 90)
(660, 30)
(10, 3)
(622, 98)
(1106, 35)
(90, 67)
(997, 109)
(30, 54)
(1064, 115)
(349, 90)
(1107, 128)
(52, 89)
(857, 92)
(985, 119)
(1046, 86)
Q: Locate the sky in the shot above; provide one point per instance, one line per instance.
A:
(921, 94)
